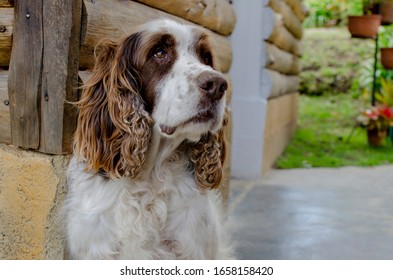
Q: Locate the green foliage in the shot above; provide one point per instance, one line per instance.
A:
(331, 12)
(331, 61)
(323, 136)
(385, 95)
(365, 77)
(385, 34)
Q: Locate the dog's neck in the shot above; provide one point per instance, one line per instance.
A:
(163, 149)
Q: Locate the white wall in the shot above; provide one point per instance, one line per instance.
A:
(250, 87)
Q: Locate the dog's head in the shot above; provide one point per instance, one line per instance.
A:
(162, 77)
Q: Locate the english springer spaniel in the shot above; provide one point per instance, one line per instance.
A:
(149, 150)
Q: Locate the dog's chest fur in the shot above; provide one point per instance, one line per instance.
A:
(165, 216)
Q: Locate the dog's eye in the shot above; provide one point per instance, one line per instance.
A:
(207, 58)
(160, 53)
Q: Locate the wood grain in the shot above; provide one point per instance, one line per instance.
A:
(281, 61)
(5, 125)
(62, 26)
(299, 8)
(216, 15)
(283, 39)
(115, 19)
(281, 84)
(6, 30)
(291, 21)
(24, 85)
(6, 3)
(281, 121)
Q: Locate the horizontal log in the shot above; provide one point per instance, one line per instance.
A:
(6, 29)
(291, 21)
(217, 15)
(281, 61)
(280, 84)
(299, 8)
(114, 19)
(5, 124)
(6, 3)
(283, 39)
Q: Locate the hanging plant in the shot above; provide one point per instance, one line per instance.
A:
(365, 26)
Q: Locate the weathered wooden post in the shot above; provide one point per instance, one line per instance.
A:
(43, 74)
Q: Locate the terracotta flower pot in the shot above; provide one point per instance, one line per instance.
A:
(375, 137)
(387, 58)
(365, 26)
(386, 11)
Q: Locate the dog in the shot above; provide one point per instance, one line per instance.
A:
(149, 150)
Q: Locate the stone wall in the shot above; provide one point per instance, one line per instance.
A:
(32, 188)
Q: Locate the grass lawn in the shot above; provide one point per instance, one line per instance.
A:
(332, 72)
(321, 140)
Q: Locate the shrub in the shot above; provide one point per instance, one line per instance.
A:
(331, 12)
(331, 62)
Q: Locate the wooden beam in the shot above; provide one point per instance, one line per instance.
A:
(62, 34)
(291, 21)
(281, 61)
(43, 74)
(283, 39)
(217, 15)
(114, 19)
(24, 85)
(280, 84)
(281, 121)
(6, 3)
(5, 126)
(299, 8)
(6, 30)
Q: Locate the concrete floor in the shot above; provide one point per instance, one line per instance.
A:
(320, 213)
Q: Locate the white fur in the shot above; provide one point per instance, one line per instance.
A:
(179, 94)
(164, 215)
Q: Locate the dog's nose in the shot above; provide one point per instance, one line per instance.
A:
(212, 84)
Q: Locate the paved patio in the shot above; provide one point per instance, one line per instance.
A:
(319, 213)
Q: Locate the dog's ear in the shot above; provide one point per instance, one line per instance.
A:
(208, 157)
(113, 129)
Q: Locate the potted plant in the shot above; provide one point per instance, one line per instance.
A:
(387, 58)
(386, 42)
(386, 10)
(376, 120)
(381, 7)
(385, 95)
(364, 26)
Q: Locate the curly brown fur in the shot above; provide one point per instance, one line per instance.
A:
(208, 157)
(113, 128)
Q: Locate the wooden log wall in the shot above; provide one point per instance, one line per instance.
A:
(283, 46)
(6, 30)
(283, 50)
(40, 117)
(6, 3)
(280, 125)
(128, 14)
(215, 15)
